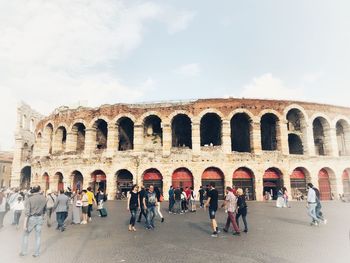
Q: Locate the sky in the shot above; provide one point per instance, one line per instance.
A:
(63, 52)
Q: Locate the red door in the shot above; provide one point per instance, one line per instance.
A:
(153, 177)
(214, 175)
(243, 178)
(182, 177)
(324, 185)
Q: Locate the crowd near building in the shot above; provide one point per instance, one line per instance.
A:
(256, 145)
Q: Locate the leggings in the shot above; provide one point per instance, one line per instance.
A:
(158, 210)
(244, 215)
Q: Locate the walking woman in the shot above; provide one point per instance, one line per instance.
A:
(77, 204)
(159, 200)
(242, 209)
(85, 206)
(132, 205)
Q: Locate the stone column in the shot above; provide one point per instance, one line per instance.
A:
(72, 140)
(112, 141)
(256, 138)
(282, 137)
(37, 148)
(90, 141)
(138, 138)
(56, 144)
(259, 184)
(226, 137)
(196, 138)
(333, 147)
(166, 139)
(311, 150)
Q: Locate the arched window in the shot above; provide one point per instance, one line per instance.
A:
(181, 131)
(268, 126)
(241, 133)
(126, 134)
(211, 130)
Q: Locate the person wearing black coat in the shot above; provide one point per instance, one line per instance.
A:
(242, 209)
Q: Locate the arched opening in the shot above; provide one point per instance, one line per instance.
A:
(268, 125)
(327, 184)
(182, 177)
(60, 183)
(101, 127)
(25, 178)
(343, 137)
(48, 132)
(124, 181)
(272, 182)
(321, 130)
(46, 182)
(244, 178)
(181, 131)
(213, 174)
(98, 181)
(126, 134)
(152, 132)
(346, 183)
(211, 130)
(295, 144)
(78, 131)
(78, 181)
(241, 133)
(153, 177)
(60, 139)
(298, 182)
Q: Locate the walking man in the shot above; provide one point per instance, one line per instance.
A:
(201, 196)
(50, 203)
(150, 203)
(91, 201)
(177, 197)
(61, 207)
(319, 213)
(35, 207)
(311, 204)
(212, 203)
(142, 194)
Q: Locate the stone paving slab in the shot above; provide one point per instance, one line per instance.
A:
(275, 235)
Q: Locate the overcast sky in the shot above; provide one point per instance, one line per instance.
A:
(59, 52)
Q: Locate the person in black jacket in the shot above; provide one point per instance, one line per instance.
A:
(242, 209)
(142, 194)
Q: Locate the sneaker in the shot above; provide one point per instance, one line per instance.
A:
(236, 234)
(225, 230)
(162, 219)
(215, 234)
(245, 231)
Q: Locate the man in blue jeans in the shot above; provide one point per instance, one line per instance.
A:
(35, 207)
(61, 207)
(150, 203)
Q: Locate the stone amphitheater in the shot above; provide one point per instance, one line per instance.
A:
(259, 145)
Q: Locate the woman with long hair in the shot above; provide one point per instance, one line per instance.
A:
(159, 200)
(133, 205)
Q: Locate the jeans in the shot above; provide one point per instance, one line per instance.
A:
(201, 202)
(231, 218)
(16, 217)
(49, 213)
(177, 206)
(133, 213)
(171, 203)
(61, 217)
(142, 212)
(319, 214)
(89, 211)
(151, 212)
(312, 212)
(243, 213)
(34, 222)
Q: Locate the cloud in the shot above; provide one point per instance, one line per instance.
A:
(269, 87)
(177, 20)
(189, 70)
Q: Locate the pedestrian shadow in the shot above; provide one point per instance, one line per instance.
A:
(292, 221)
(199, 227)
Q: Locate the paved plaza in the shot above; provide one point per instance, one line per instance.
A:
(275, 235)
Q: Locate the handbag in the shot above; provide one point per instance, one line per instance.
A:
(79, 203)
(161, 198)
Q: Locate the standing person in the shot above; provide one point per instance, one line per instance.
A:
(231, 206)
(50, 203)
(61, 207)
(91, 200)
(177, 197)
(242, 209)
(100, 198)
(183, 201)
(132, 205)
(159, 200)
(171, 199)
(319, 213)
(76, 208)
(18, 207)
(286, 197)
(150, 203)
(143, 209)
(3, 209)
(212, 203)
(84, 206)
(201, 196)
(192, 200)
(311, 204)
(35, 206)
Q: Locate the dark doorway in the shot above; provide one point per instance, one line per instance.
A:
(211, 130)
(240, 133)
(181, 131)
(269, 132)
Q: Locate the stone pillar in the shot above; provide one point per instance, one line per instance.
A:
(90, 141)
(37, 147)
(333, 147)
(166, 139)
(138, 138)
(111, 187)
(256, 138)
(282, 137)
(46, 144)
(226, 137)
(259, 184)
(166, 184)
(112, 141)
(56, 144)
(196, 138)
(310, 149)
(72, 140)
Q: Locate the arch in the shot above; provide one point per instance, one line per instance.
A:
(98, 181)
(153, 177)
(46, 182)
(125, 134)
(79, 131)
(297, 126)
(120, 116)
(182, 177)
(172, 115)
(59, 179)
(295, 144)
(343, 137)
(327, 184)
(346, 184)
(152, 132)
(60, 139)
(241, 132)
(92, 123)
(272, 112)
(211, 130)
(214, 174)
(321, 132)
(181, 131)
(25, 177)
(124, 179)
(210, 110)
(141, 120)
(243, 178)
(101, 127)
(269, 124)
(243, 111)
(297, 108)
(48, 135)
(78, 181)
(298, 180)
(272, 182)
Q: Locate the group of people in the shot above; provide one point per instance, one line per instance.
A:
(182, 200)
(282, 198)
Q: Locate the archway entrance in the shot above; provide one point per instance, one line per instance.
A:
(59, 178)
(25, 177)
(272, 181)
(124, 181)
(213, 174)
(324, 185)
(346, 183)
(298, 183)
(244, 178)
(182, 177)
(78, 181)
(153, 177)
(98, 181)
(46, 182)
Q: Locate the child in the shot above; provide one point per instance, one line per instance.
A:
(18, 207)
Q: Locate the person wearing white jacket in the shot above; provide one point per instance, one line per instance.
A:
(18, 207)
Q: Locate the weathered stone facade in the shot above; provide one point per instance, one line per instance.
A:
(6, 159)
(256, 144)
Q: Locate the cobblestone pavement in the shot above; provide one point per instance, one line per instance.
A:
(275, 235)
